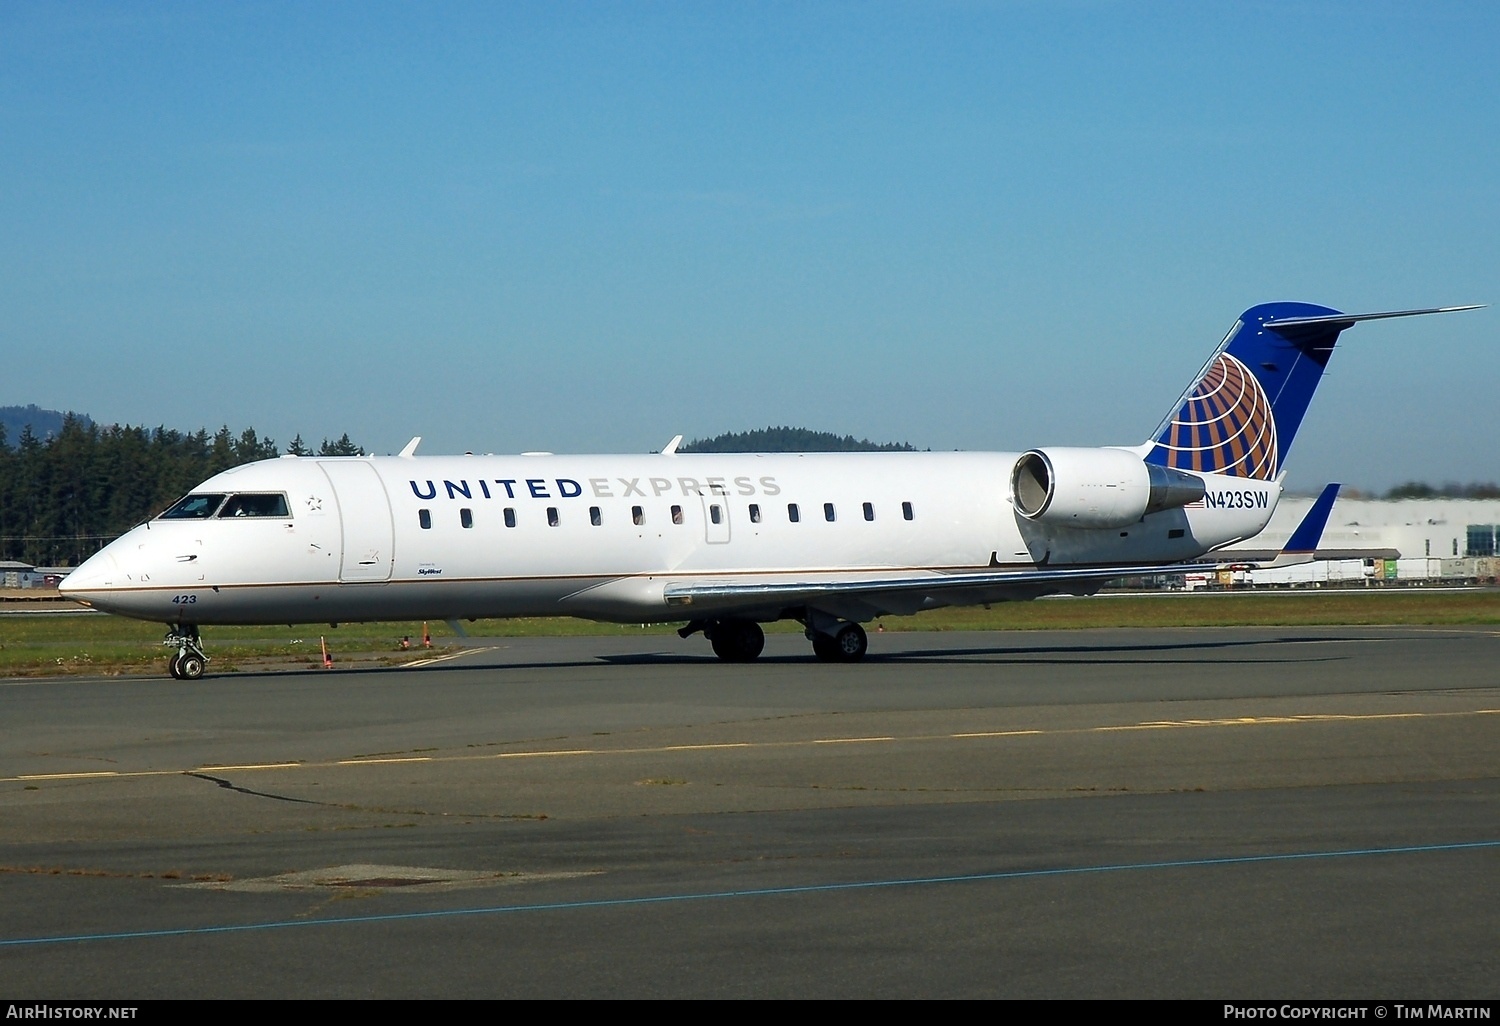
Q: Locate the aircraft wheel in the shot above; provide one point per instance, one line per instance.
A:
(825, 648)
(189, 666)
(850, 643)
(738, 641)
(173, 666)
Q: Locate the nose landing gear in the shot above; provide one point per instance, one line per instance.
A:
(188, 662)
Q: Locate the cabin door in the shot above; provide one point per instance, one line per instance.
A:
(365, 514)
(716, 516)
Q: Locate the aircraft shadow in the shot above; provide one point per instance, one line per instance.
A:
(1093, 653)
(1167, 653)
(1085, 654)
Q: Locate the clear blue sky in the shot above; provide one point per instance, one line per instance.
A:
(591, 226)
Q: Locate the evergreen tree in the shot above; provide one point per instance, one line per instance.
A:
(62, 497)
(250, 448)
(1448, 490)
(31, 486)
(222, 455)
(343, 447)
(7, 493)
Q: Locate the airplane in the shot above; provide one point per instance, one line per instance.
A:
(727, 542)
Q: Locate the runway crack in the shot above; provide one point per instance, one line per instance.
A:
(228, 786)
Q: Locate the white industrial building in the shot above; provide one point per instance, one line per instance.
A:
(15, 574)
(1384, 541)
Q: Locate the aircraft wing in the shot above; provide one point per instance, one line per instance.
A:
(910, 587)
(902, 590)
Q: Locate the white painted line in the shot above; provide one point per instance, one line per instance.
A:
(446, 658)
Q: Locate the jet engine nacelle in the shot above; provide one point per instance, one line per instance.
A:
(1096, 488)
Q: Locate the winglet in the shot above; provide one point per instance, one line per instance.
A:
(1303, 544)
(670, 449)
(411, 447)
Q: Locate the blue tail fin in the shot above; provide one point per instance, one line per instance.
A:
(1242, 412)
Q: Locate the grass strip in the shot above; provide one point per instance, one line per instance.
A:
(95, 643)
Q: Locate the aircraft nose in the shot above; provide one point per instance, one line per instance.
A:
(100, 571)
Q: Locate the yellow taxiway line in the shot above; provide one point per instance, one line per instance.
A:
(1189, 724)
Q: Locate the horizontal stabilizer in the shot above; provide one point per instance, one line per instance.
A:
(1249, 559)
(1342, 321)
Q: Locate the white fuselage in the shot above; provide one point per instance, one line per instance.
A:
(603, 537)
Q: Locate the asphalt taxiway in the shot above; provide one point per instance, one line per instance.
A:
(1281, 812)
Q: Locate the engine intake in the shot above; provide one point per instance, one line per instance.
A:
(1096, 488)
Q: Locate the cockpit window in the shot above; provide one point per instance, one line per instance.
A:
(251, 504)
(194, 507)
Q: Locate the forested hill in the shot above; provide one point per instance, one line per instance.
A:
(790, 439)
(43, 423)
(63, 496)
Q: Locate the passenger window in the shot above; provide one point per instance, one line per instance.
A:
(250, 505)
(715, 514)
(755, 512)
(552, 518)
(676, 514)
(906, 510)
(869, 511)
(828, 512)
(194, 507)
(466, 517)
(637, 516)
(792, 513)
(595, 517)
(510, 517)
(424, 518)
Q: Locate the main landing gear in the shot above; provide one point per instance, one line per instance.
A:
(734, 641)
(847, 644)
(188, 662)
(834, 640)
(741, 641)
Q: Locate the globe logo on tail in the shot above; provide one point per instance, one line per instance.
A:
(1225, 426)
